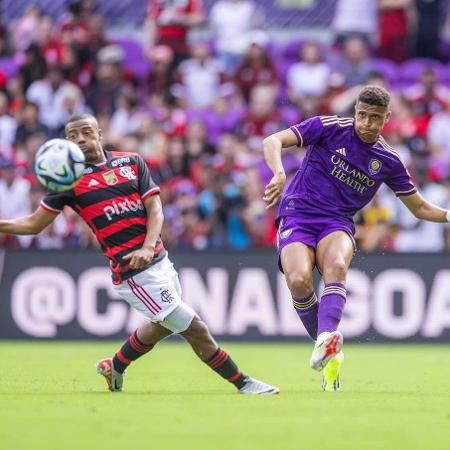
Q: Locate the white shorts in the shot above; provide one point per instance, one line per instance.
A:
(156, 293)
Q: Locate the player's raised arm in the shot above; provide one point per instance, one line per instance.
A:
(272, 146)
(32, 224)
(425, 210)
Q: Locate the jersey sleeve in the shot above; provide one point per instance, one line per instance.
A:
(54, 202)
(400, 181)
(308, 132)
(147, 187)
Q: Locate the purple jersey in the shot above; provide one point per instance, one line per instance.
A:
(340, 173)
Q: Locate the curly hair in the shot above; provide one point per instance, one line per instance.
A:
(374, 95)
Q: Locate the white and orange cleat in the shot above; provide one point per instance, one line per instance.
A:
(327, 346)
(113, 379)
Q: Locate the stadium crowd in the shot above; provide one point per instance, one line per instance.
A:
(198, 109)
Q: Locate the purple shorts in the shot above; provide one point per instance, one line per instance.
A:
(310, 231)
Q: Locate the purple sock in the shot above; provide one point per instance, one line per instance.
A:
(331, 307)
(306, 309)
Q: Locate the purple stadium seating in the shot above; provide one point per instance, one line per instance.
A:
(134, 58)
(388, 68)
(411, 70)
(9, 67)
(292, 48)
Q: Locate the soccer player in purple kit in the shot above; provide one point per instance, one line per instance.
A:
(346, 162)
(119, 201)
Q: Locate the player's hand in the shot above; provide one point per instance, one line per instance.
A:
(140, 258)
(274, 189)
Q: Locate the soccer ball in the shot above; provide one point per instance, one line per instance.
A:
(59, 165)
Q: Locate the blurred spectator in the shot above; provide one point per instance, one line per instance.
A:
(262, 117)
(49, 41)
(428, 96)
(152, 141)
(419, 235)
(169, 22)
(307, 80)
(98, 38)
(75, 27)
(29, 124)
(438, 136)
(354, 68)
(394, 28)
(259, 222)
(374, 231)
(128, 114)
(176, 165)
(48, 93)
(232, 23)
(256, 68)
(25, 30)
(169, 118)
(8, 126)
(221, 117)
(201, 79)
(161, 76)
(33, 67)
(355, 19)
(14, 199)
(4, 42)
(108, 81)
(197, 144)
(429, 24)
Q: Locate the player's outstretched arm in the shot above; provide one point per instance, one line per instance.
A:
(272, 146)
(425, 210)
(32, 224)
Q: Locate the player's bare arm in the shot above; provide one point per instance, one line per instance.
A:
(423, 209)
(272, 146)
(28, 225)
(155, 218)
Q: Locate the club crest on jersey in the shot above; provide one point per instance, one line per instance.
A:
(110, 178)
(166, 296)
(127, 172)
(285, 234)
(374, 166)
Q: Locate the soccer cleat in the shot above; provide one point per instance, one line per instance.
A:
(327, 346)
(256, 387)
(114, 379)
(330, 377)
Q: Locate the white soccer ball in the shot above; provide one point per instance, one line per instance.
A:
(59, 165)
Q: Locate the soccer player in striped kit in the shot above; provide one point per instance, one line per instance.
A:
(119, 201)
(346, 162)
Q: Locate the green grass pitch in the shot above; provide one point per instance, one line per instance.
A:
(393, 397)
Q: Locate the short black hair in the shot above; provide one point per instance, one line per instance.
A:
(375, 96)
(83, 116)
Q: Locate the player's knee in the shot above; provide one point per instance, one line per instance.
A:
(197, 329)
(299, 283)
(336, 271)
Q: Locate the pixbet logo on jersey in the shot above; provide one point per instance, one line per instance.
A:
(121, 208)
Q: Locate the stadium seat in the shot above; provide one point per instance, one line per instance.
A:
(9, 67)
(388, 68)
(291, 49)
(410, 71)
(134, 58)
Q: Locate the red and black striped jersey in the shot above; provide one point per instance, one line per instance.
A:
(110, 199)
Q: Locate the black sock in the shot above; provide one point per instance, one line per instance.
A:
(131, 350)
(222, 364)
